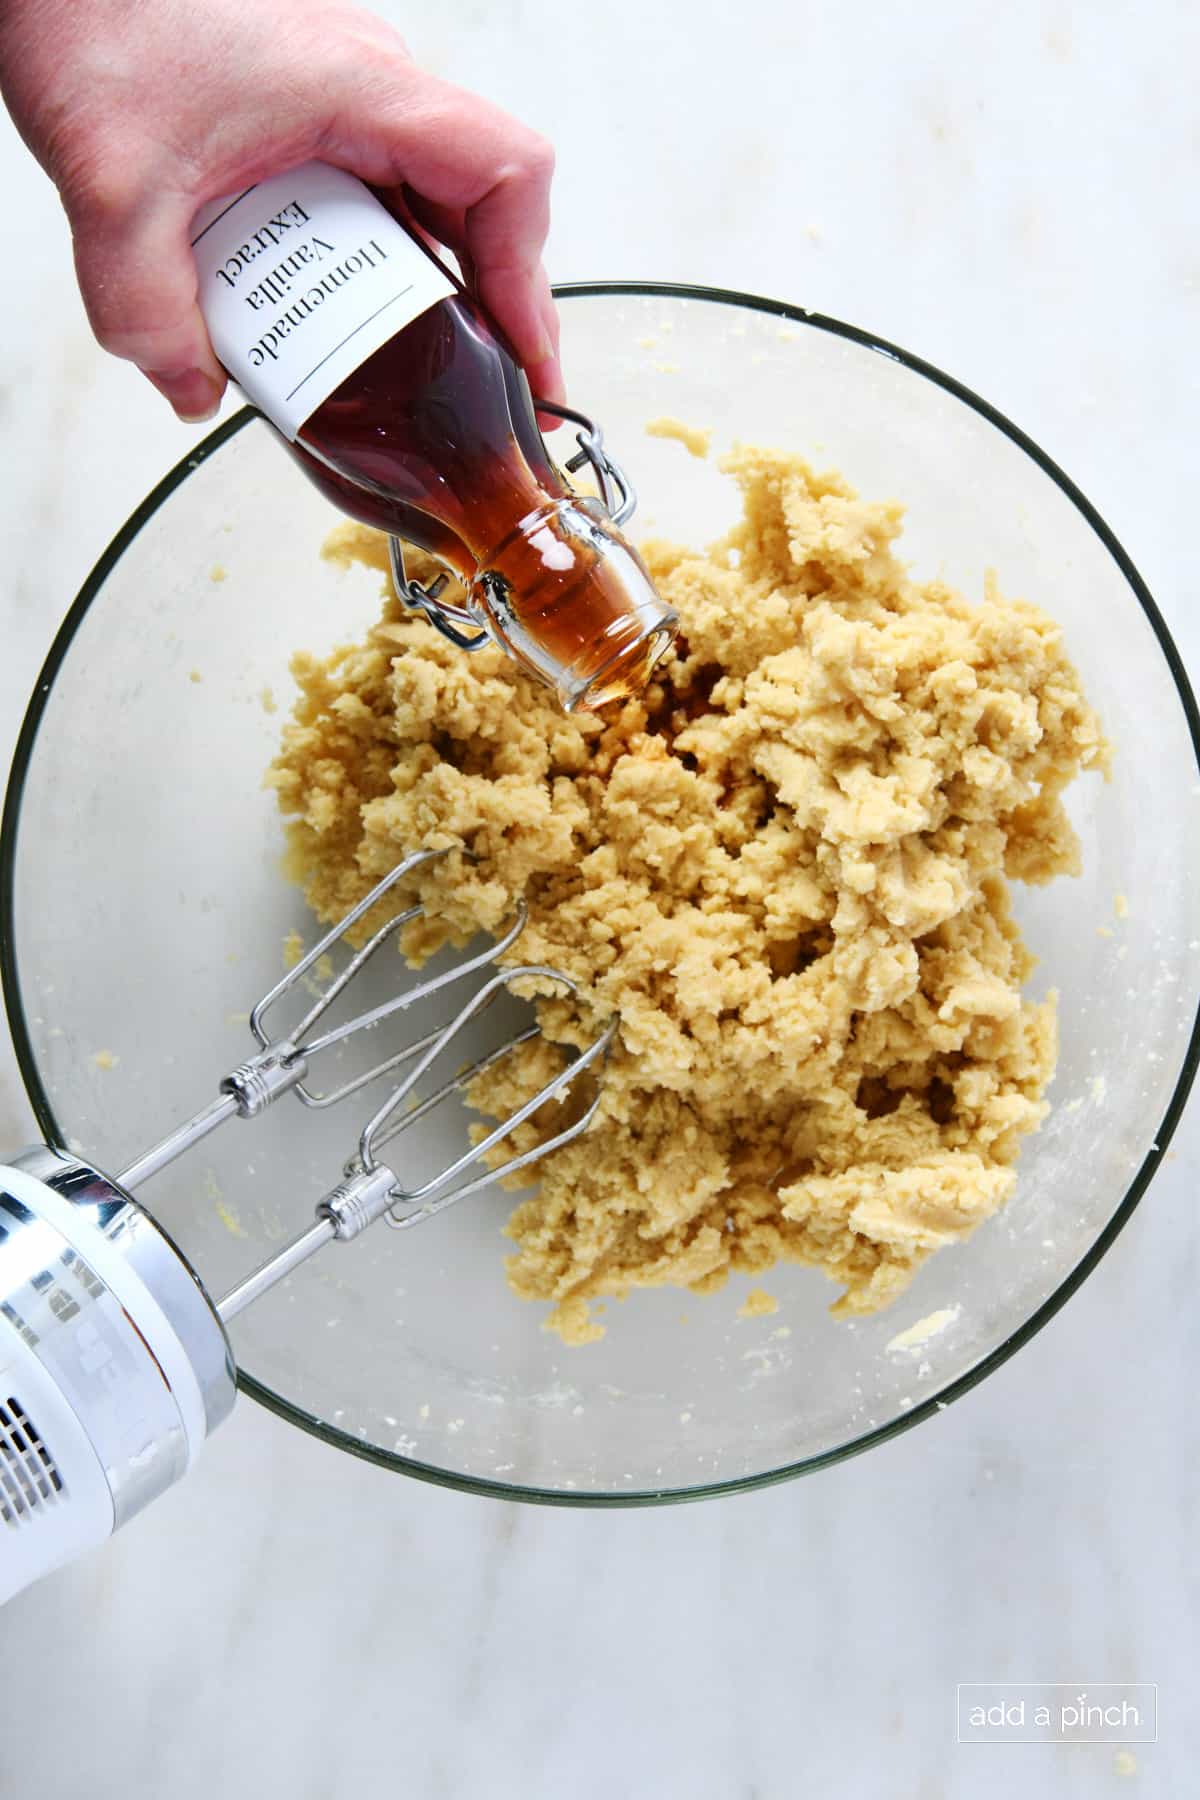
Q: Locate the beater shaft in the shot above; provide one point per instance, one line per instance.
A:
(322, 1232)
(181, 1139)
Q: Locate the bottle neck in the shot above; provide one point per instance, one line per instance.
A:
(571, 601)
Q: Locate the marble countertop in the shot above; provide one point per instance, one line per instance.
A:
(1010, 193)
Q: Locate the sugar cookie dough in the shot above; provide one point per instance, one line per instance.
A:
(758, 1304)
(785, 869)
(694, 438)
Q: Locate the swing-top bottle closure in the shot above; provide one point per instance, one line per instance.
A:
(403, 406)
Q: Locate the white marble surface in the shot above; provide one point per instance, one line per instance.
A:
(1011, 192)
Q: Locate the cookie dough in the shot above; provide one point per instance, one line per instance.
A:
(785, 869)
(758, 1304)
(694, 438)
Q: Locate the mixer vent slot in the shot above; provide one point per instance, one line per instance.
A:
(29, 1476)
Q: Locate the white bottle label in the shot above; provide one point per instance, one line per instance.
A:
(302, 277)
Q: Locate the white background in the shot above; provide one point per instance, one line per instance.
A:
(1012, 192)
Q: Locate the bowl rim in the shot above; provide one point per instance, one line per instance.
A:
(877, 1434)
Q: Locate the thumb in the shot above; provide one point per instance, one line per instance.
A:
(138, 281)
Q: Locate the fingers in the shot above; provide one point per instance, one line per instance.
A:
(505, 231)
(521, 303)
(446, 225)
(476, 178)
(480, 182)
(548, 383)
(138, 280)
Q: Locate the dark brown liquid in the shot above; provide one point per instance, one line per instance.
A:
(434, 440)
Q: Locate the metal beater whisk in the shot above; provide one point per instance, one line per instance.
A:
(372, 1189)
(114, 1364)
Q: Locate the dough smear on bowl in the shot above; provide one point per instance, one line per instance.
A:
(786, 869)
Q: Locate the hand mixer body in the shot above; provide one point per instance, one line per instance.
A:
(114, 1366)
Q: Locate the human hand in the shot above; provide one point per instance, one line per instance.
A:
(142, 110)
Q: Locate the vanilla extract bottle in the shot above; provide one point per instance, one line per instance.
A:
(401, 401)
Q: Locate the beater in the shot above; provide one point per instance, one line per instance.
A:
(114, 1362)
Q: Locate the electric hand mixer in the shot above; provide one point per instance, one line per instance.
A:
(114, 1362)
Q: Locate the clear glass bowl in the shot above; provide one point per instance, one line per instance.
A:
(144, 908)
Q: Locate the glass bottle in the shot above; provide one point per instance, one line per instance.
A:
(404, 405)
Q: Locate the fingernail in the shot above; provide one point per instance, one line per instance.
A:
(194, 395)
(543, 347)
(545, 380)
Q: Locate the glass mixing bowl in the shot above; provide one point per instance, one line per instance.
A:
(144, 909)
